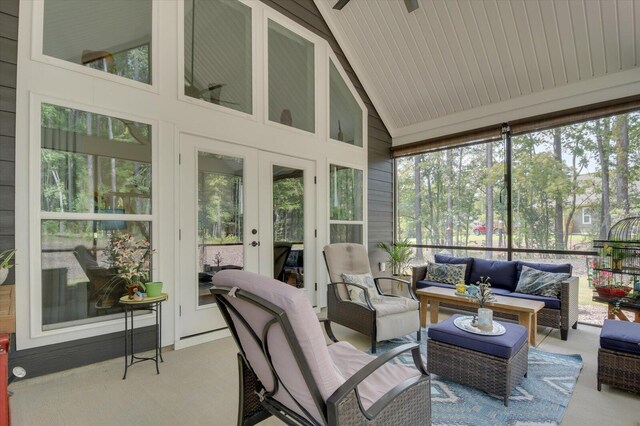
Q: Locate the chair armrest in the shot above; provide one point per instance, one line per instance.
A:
(418, 273)
(365, 290)
(351, 384)
(412, 295)
(569, 293)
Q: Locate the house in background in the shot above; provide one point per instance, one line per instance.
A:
(183, 122)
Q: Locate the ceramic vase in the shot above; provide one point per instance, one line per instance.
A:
(485, 319)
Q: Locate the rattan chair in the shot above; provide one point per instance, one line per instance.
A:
(287, 370)
(388, 317)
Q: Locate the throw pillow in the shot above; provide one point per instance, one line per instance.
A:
(447, 273)
(356, 294)
(540, 283)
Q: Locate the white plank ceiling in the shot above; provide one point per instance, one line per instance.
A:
(457, 61)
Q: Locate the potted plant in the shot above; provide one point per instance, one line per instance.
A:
(484, 295)
(400, 256)
(5, 263)
(129, 261)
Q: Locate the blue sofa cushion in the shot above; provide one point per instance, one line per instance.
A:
(502, 274)
(565, 268)
(549, 302)
(426, 283)
(504, 346)
(441, 258)
(620, 336)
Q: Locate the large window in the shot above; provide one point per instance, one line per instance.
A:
(217, 53)
(346, 222)
(95, 189)
(291, 78)
(112, 36)
(569, 185)
(345, 114)
(453, 197)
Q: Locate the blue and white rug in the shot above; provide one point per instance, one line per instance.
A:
(539, 400)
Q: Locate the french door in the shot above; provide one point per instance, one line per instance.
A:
(241, 208)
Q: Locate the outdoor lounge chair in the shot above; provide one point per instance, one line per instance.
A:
(287, 370)
(383, 318)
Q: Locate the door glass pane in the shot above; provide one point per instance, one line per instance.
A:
(291, 79)
(220, 218)
(79, 282)
(345, 193)
(217, 53)
(94, 163)
(288, 225)
(345, 113)
(112, 36)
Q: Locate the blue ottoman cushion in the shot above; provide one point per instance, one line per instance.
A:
(502, 274)
(620, 336)
(504, 346)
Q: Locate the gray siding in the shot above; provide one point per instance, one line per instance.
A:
(380, 182)
(8, 59)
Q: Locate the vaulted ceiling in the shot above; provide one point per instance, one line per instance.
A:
(456, 65)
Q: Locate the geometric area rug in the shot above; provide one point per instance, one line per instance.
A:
(539, 400)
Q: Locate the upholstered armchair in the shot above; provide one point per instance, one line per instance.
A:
(287, 370)
(368, 311)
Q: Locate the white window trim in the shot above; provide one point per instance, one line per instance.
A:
(586, 214)
(36, 335)
(363, 108)
(319, 59)
(37, 34)
(256, 18)
(363, 222)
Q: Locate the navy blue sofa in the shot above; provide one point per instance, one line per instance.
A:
(560, 313)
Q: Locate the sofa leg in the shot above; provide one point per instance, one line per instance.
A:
(419, 335)
(575, 326)
(563, 334)
(373, 344)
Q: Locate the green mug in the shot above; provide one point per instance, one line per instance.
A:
(154, 289)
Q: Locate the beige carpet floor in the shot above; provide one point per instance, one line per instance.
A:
(198, 386)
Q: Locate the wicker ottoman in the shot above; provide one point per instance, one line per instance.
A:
(494, 364)
(619, 355)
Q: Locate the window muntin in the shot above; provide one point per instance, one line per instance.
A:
(92, 166)
(291, 78)
(217, 53)
(346, 210)
(111, 36)
(345, 114)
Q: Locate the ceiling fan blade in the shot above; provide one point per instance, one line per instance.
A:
(411, 5)
(340, 4)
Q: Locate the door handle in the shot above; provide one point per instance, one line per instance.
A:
(254, 244)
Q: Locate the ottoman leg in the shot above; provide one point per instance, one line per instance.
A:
(563, 334)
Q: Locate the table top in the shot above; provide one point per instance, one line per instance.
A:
(126, 301)
(7, 309)
(503, 302)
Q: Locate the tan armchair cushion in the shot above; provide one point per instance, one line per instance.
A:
(346, 258)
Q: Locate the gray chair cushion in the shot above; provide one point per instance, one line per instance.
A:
(388, 305)
(345, 258)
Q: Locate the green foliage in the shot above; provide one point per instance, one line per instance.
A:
(5, 259)
(400, 255)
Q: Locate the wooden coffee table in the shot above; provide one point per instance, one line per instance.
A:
(526, 310)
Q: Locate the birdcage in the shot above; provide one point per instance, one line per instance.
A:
(620, 253)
